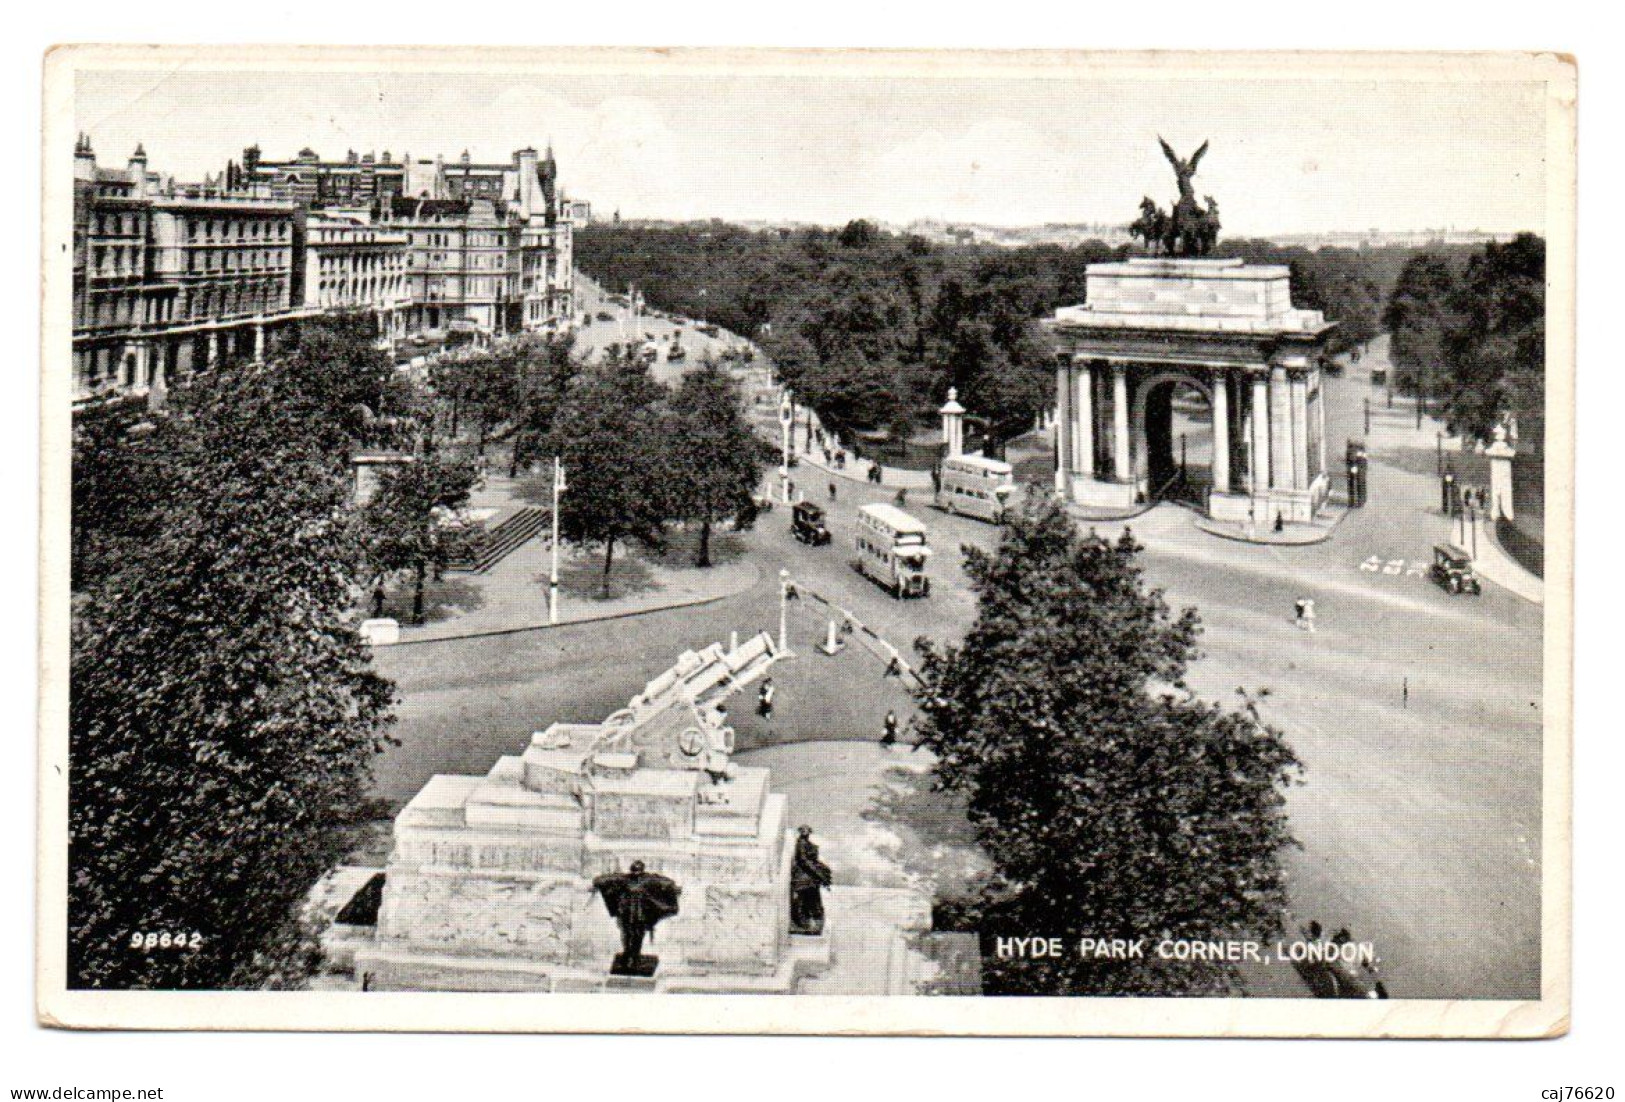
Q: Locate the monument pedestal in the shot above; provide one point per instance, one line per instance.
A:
(490, 881)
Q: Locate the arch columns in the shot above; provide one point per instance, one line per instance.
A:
(1084, 420)
(1122, 467)
(1258, 473)
(1063, 427)
(1219, 408)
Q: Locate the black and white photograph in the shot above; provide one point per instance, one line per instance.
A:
(982, 543)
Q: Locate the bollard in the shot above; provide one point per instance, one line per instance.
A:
(833, 643)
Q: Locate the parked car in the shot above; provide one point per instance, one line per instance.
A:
(605, 315)
(762, 502)
(1453, 569)
(807, 524)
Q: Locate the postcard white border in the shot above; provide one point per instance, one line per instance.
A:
(749, 1014)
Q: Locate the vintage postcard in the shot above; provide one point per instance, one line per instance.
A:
(807, 542)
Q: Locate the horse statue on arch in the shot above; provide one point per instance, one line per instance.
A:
(1152, 225)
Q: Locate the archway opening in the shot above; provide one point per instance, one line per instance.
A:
(1178, 442)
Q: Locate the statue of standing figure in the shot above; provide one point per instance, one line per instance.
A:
(637, 900)
(809, 876)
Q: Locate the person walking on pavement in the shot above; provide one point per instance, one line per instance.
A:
(764, 700)
(832, 491)
(888, 736)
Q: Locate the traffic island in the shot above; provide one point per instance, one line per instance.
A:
(1296, 534)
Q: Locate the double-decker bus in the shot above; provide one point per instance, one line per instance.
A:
(976, 486)
(892, 550)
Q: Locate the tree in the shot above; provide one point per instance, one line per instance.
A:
(332, 368)
(223, 712)
(609, 435)
(1111, 801)
(549, 368)
(715, 451)
(1418, 314)
(121, 490)
(410, 523)
(1495, 350)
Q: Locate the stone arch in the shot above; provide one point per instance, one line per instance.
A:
(1153, 457)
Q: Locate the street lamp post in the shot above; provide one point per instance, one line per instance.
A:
(784, 612)
(787, 413)
(1439, 464)
(1472, 526)
(1368, 416)
(553, 575)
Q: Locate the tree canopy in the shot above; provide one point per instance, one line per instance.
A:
(1113, 803)
(609, 434)
(871, 327)
(716, 460)
(223, 712)
(1473, 334)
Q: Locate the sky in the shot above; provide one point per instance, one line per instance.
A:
(1285, 156)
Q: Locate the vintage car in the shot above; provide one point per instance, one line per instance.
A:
(1453, 569)
(807, 524)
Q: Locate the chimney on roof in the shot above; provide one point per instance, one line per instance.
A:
(528, 182)
(84, 159)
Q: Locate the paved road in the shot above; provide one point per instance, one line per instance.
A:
(1420, 815)
(599, 335)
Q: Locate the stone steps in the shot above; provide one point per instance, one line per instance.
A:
(503, 540)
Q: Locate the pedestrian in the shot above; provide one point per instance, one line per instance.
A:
(888, 735)
(378, 598)
(764, 700)
(902, 496)
(1405, 693)
(832, 491)
(1280, 525)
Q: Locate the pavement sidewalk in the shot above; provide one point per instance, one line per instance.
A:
(512, 595)
(1495, 565)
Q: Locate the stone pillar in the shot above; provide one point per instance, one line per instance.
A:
(1280, 431)
(1063, 423)
(214, 347)
(1259, 471)
(259, 342)
(1084, 419)
(953, 425)
(1317, 417)
(1221, 433)
(1120, 440)
(1300, 432)
(1500, 455)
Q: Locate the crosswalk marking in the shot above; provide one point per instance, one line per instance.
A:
(1393, 568)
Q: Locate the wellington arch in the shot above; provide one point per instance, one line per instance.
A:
(1154, 329)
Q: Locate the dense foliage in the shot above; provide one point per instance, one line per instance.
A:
(608, 432)
(872, 328)
(223, 712)
(1472, 333)
(1113, 803)
(715, 454)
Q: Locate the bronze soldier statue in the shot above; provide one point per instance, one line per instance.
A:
(637, 900)
(808, 878)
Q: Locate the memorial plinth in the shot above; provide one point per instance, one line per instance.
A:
(490, 882)
(1224, 328)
